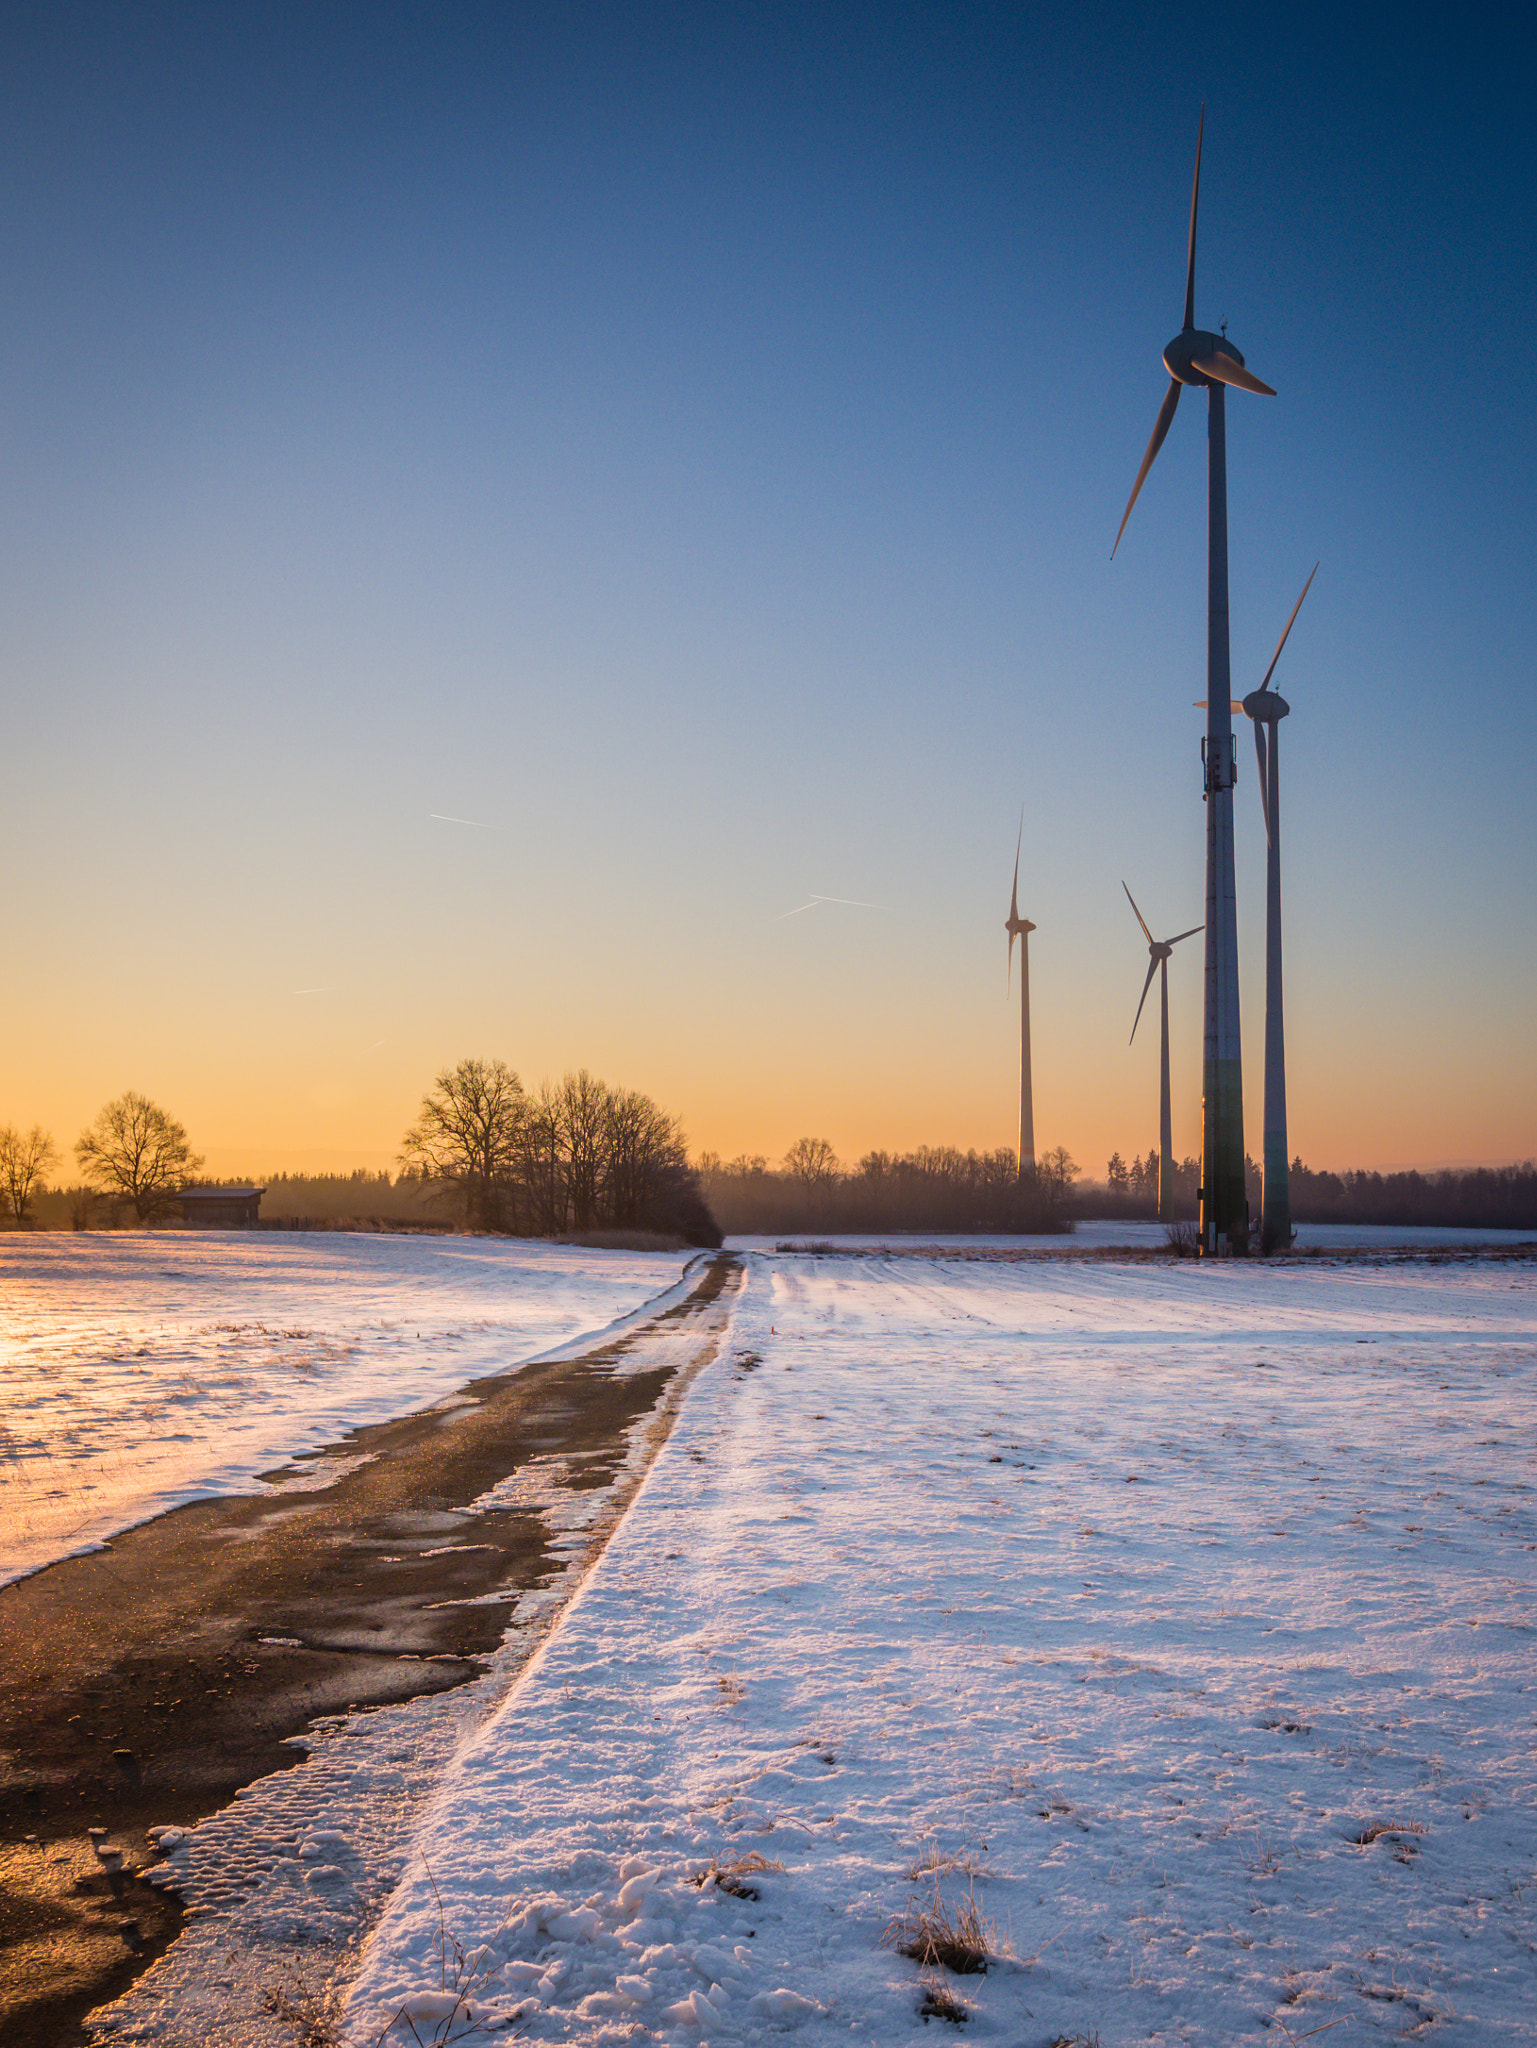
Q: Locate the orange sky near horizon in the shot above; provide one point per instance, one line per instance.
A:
(757, 1036)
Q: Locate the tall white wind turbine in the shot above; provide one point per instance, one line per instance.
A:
(1021, 928)
(1158, 963)
(1212, 363)
(1266, 709)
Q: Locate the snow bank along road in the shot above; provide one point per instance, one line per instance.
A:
(1181, 1617)
(147, 1681)
(141, 1369)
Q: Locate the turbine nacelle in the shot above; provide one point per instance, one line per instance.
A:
(1266, 705)
(1196, 357)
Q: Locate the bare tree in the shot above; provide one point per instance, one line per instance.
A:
(24, 1159)
(813, 1162)
(135, 1152)
(582, 1110)
(466, 1139)
(1057, 1172)
(541, 1174)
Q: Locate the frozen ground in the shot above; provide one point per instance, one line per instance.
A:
(142, 1369)
(1181, 1616)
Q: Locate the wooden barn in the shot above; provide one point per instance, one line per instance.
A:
(221, 1208)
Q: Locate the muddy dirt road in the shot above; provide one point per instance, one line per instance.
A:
(145, 1684)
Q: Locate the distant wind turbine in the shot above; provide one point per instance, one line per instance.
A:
(1159, 951)
(1210, 361)
(1266, 708)
(1020, 928)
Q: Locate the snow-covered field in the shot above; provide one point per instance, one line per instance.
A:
(1096, 1235)
(1179, 1617)
(142, 1369)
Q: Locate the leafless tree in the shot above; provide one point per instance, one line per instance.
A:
(540, 1172)
(582, 1106)
(135, 1152)
(648, 1169)
(813, 1162)
(466, 1139)
(25, 1157)
(1057, 1172)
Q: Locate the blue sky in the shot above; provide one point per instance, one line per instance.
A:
(689, 443)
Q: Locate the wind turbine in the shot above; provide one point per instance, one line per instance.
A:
(1266, 708)
(1021, 928)
(1207, 360)
(1159, 951)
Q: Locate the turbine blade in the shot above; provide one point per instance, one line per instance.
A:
(1265, 685)
(1160, 433)
(1014, 892)
(1223, 370)
(1264, 781)
(1185, 935)
(1009, 983)
(1195, 193)
(1136, 913)
(1152, 969)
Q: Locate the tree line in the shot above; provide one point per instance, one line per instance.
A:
(1474, 1198)
(133, 1157)
(571, 1158)
(936, 1188)
(579, 1157)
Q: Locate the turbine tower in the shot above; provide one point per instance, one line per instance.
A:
(1266, 708)
(1159, 951)
(1021, 928)
(1211, 362)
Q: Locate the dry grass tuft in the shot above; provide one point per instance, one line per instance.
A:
(732, 1877)
(625, 1240)
(1375, 1830)
(313, 2024)
(939, 2002)
(935, 1938)
(935, 1860)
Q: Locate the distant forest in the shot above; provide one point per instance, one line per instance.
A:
(586, 1159)
(1474, 1198)
(941, 1189)
(935, 1188)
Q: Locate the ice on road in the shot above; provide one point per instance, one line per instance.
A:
(1178, 1617)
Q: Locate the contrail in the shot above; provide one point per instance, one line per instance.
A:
(853, 902)
(376, 1045)
(442, 818)
(324, 991)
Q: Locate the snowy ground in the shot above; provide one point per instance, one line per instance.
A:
(1097, 1235)
(1182, 1616)
(142, 1369)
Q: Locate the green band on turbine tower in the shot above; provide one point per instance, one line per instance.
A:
(1224, 1201)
